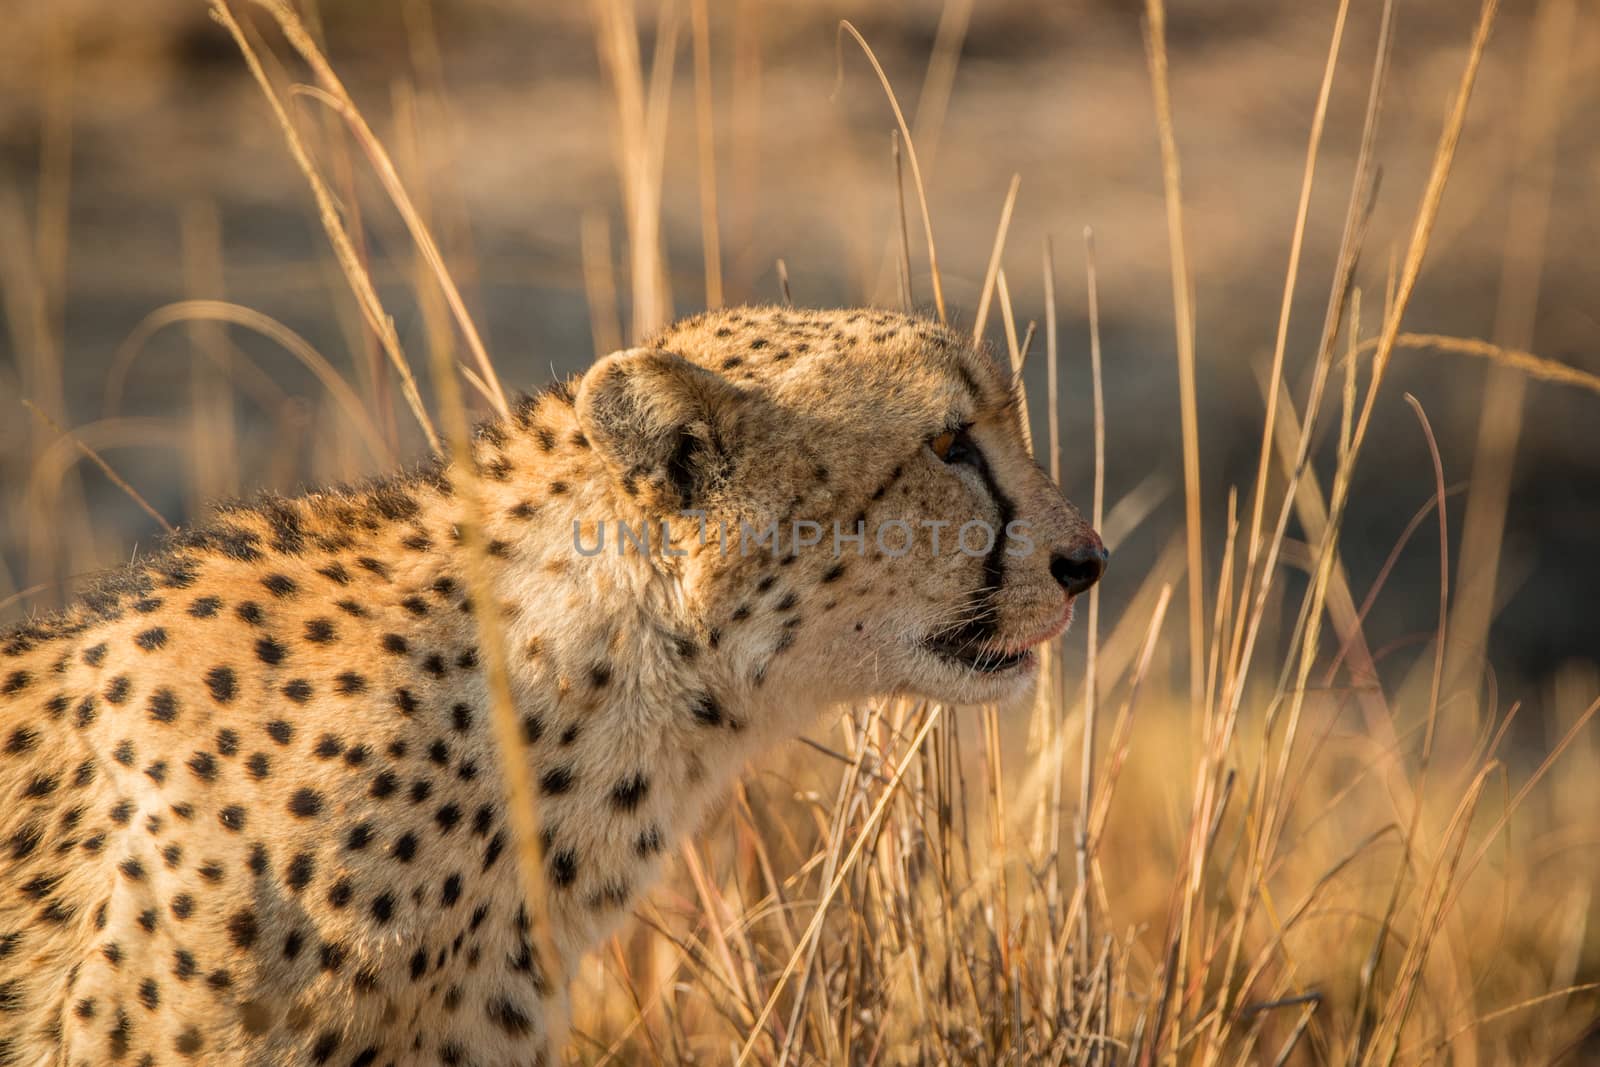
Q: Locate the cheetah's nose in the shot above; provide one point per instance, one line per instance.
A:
(1080, 567)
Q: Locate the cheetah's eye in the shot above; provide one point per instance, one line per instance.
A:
(953, 446)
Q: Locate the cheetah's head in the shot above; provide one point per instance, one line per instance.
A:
(825, 424)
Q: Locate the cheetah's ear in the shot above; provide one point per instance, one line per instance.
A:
(662, 424)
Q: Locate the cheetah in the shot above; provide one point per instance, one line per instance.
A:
(255, 810)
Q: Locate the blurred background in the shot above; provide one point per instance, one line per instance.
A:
(139, 166)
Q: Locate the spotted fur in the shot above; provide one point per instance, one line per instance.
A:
(254, 812)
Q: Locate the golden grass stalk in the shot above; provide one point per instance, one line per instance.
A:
(344, 251)
(105, 468)
(1526, 363)
(522, 805)
(705, 129)
(1091, 695)
(993, 270)
(339, 100)
(248, 318)
(930, 717)
(1280, 343)
(599, 283)
(903, 262)
(1183, 318)
(1537, 129)
(911, 155)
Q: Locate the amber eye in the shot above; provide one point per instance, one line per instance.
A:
(955, 446)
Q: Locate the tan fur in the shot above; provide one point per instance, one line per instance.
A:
(254, 814)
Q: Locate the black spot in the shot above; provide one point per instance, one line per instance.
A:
(270, 651)
(357, 755)
(328, 747)
(833, 573)
(419, 964)
(383, 907)
(556, 780)
(305, 803)
(325, 1047)
(395, 644)
(182, 906)
(259, 765)
(359, 837)
(250, 612)
(221, 682)
(532, 728)
(204, 766)
(563, 868)
(599, 675)
(348, 683)
(626, 794)
(301, 870)
(320, 631)
(298, 690)
(707, 712)
(293, 942)
(434, 665)
(22, 739)
(451, 892)
(242, 929)
(280, 731)
(438, 752)
(228, 741)
(492, 851)
(508, 1016)
(123, 753)
(447, 817)
(405, 847)
(405, 702)
(232, 817)
(415, 605)
(157, 771)
(384, 785)
(260, 862)
(461, 718)
(205, 607)
(648, 843)
(340, 894)
(96, 655)
(280, 586)
(335, 573)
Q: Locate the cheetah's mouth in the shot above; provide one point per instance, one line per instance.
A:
(973, 646)
(963, 649)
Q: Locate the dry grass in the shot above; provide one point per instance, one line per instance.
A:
(1274, 861)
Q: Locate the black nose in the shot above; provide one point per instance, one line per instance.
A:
(1079, 568)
